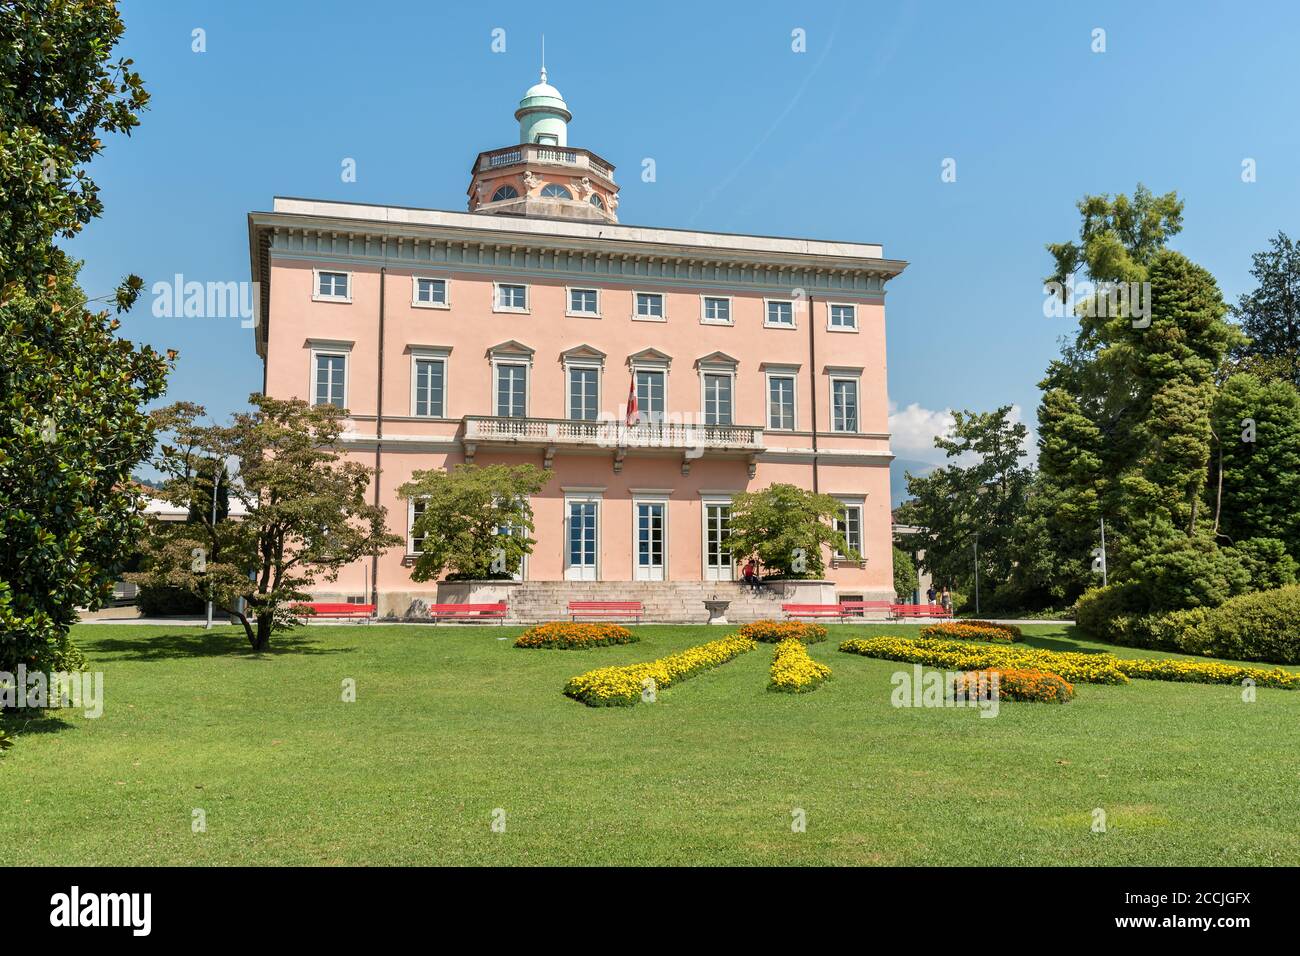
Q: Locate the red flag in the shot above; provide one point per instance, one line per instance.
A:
(631, 403)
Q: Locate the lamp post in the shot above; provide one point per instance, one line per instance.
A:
(217, 477)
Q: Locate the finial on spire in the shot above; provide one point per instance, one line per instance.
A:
(543, 57)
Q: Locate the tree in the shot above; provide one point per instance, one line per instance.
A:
(71, 391)
(306, 513)
(785, 527)
(905, 579)
(1270, 315)
(476, 520)
(962, 508)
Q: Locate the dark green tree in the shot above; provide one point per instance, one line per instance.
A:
(786, 528)
(1270, 315)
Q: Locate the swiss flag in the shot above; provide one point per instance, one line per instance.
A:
(631, 403)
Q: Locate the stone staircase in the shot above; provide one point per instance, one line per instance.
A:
(673, 602)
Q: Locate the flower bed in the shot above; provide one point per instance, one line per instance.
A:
(1015, 684)
(1072, 666)
(565, 635)
(972, 631)
(773, 632)
(622, 686)
(793, 671)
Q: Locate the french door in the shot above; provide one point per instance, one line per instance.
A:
(580, 539)
(717, 528)
(650, 517)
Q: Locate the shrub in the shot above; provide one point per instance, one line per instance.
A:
(1263, 626)
(973, 631)
(622, 686)
(1015, 684)
(1098, 611)
(165, 602)
(773, 632)
(565, 635)
(793, 671)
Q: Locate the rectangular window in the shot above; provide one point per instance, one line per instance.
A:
(849, 524)
(717, 309)
(844, 316)
(580, 557)
(430, 291)
(780, 402)
(584, 383)
(844, 404)
(331, 370)
(512, 384)
(512, 298)
(649, 305)
(415, 544)
(780, 313)
(650, 395)
(332, 285)
(717, 399)
(584, 302)
(430, 376)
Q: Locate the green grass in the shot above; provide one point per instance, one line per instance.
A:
(451, 723)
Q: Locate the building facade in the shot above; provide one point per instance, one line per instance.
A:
(519, 331)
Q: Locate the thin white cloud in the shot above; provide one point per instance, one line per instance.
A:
(915, 428)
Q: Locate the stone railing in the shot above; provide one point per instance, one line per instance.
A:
(612, 434)
(554, 155)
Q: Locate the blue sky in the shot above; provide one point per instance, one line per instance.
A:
(843, 141)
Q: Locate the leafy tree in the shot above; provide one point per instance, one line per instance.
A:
(71, 391)
(477, 520)
(1270, 315)
(306, 510)
(905, 578)
(962, 509)
(785, 527)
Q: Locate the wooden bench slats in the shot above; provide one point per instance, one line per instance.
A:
(633, 609)
(470, 612)
(334, 610)
(856, 609)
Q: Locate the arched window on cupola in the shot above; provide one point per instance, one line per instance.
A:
(556, 191)
(505, 192)
(597, 201)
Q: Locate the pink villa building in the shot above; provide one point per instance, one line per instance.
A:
(514, 332)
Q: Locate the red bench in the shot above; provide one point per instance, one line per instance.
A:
(630, 609)
(812, 610)
(920, 610)
(860, 608)
(468, 612)
(334, 610)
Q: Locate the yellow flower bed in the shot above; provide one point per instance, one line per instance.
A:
(793, 671)
(566, 635)
(622, 686)
(773, 632)
(972, 631)
(1072, 666)
(965, 656)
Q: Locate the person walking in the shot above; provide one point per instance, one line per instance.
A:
(929, 594)
(947, 599)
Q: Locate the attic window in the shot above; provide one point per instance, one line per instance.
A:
(556, 191)
(548, 139)
(505, 192)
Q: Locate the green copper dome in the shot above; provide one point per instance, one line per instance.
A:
(543, 115)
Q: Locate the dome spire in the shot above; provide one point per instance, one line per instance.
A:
(543, 57)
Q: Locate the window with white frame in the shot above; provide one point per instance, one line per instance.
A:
(333, 286)
(329, 378)
(843, 316)
(780, 401)
(715, 309)
(414, 542)
(511, 298)
(717, 398)
(779, 314)
(584, 302)
(429, 292)
(650, 388)
(429, 380)
(584, 392)
(844, 404)
(512, 389)
(849, 524)
(649, 305)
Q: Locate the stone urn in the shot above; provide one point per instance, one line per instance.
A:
(717, 609)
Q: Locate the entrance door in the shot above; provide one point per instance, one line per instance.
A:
(580, 537)
(650, 541)
(717, 528)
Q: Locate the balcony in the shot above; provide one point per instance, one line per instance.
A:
(552, 435)
(577, 159)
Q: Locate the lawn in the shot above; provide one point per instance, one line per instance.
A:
(452, 723)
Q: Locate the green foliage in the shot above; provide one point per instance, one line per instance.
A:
(786, 527)
(1186, 572)
(1270, 315)
(306, 509)
(905, 577)
(59, 91)
(957, 506)
(477, 520)
(165, 602)
(1252, 627)
(1266, 563)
